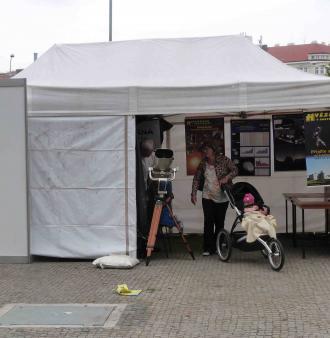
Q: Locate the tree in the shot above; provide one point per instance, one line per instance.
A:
(327, 70)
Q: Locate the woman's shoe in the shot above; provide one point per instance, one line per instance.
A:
(205, 253)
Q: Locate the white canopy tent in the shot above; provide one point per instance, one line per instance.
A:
(216, 74)
(82, 99)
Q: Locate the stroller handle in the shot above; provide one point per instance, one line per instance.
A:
(227, 191)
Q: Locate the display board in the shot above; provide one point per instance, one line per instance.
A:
(250, 147)
(289, 142)
(198, 131)
(317, 126)
(14, 225)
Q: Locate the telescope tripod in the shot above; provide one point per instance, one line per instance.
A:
(154, 227)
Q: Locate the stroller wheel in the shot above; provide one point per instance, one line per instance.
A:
(223, 245)
(276, 258)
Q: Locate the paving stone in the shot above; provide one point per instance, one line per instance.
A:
(184, 298)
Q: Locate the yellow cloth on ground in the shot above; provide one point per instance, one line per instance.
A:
(123, 290)
(257, 224)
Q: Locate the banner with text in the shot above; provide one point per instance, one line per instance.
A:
(317, 140)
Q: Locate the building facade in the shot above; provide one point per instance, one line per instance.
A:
(312, 58)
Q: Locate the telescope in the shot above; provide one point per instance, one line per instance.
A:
(164, 159)
(162, 171)
(164, 174)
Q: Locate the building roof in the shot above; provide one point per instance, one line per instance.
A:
(295, 53)
(6, 76)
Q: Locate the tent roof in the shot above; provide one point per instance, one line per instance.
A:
(167, 76)
(186, 62)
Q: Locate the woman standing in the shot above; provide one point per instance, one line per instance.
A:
(213, 171)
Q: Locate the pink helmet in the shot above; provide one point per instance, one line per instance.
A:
(248, 199)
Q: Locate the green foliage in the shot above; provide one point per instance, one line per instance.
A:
(327, 70)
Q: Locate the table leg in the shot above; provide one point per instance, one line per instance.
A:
(286, 216)
(294, 225)
(303, 233)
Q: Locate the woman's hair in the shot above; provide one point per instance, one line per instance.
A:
(208, 144)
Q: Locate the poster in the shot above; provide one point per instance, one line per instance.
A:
(198, 131)
(317, 139)
(289, 142)
(250, 147)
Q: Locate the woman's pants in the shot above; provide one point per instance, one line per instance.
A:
(214, 220)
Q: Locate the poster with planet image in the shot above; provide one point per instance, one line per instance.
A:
(197, 132)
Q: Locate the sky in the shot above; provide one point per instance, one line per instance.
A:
(33, 26)
(316, 164)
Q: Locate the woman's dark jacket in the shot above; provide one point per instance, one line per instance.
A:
(223, 167)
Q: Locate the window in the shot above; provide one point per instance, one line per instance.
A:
(319, 57)
(316, 70)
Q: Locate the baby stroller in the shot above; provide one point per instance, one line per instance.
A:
(270, 248)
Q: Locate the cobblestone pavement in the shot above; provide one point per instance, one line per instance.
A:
(185, 298)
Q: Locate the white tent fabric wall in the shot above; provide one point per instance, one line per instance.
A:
(79, 188)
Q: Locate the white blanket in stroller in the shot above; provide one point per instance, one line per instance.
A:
(257, 224)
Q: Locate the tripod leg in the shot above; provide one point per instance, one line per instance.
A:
(164, 240)
(177, 225)
(153, 229)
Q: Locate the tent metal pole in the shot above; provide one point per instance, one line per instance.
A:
(126, 184)
(110, 20)
(28, 212)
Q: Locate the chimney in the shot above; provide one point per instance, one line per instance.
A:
(35, 56)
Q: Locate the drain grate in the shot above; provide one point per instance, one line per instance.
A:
(60, 315)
